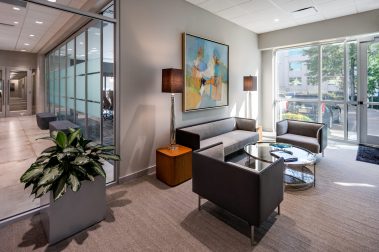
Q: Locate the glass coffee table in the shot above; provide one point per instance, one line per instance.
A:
(300, 171)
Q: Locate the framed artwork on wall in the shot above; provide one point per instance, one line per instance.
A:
(206, 73)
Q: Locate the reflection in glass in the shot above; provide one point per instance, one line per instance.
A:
(352, 70)
(62, 83)
(18, 90)
(70, 63)
(373, 89)
(352, 122)
(303, 111)
(1, 90)
(332, 71)
(333, 117)
(298, 73)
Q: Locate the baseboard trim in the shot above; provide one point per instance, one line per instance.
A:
(132, 176)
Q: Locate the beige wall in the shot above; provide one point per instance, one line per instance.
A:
(357, 24)
(150, 40)
(18, 59)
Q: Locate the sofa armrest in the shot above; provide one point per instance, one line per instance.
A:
(188, 139)
(215, 151)
(246, 124)
(322, 137)
(281, 127)
(271, 188)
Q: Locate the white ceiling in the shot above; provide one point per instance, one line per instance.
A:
(268, 15)
(17, 36)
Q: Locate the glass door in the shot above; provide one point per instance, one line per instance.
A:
(2, 92)
(18, 95)
(369, 92)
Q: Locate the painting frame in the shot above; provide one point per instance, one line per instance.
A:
(224, 87)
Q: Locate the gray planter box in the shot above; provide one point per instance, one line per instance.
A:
(75, 211)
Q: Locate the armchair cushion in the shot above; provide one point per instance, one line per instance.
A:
(303, 128)
(281, 127)
(309, 143)
(233, 140)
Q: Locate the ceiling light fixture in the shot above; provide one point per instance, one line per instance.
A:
(39, 22)
(26, 44)
(23, 50)
(31, 35)
(16, 8)
(53, 1)
(276, 20)
(15, 22)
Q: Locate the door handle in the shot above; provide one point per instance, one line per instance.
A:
(360, 102)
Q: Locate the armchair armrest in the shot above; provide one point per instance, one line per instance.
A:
(281, 127)
(271, 188)
(188, 139)
(322, 137)
(246, 124)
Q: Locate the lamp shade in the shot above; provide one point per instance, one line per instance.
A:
(250, 83)
(172, 80)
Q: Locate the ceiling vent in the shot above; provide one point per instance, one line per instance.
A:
(304, 12)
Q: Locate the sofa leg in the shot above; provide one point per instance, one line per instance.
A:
(279, 209)
(252, 238)
(199, 204)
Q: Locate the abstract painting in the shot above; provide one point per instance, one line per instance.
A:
(206, 72)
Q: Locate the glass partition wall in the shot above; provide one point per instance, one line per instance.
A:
(81, 82)
(319, 83)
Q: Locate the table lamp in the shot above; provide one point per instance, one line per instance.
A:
(172, 82)
(250, 84)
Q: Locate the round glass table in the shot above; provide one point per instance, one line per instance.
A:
(300, 171)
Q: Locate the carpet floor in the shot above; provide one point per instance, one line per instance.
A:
(339, 214)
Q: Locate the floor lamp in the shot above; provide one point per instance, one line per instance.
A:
(172, 82)
(250, 84)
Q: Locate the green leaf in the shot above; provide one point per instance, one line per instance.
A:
(74, 182)
(98, 169)
(109, 156)
(81, 160)
(50, 149)
(41, 159)
(61, 139)
(105, 148)
(71, 130)
(42, 190)
(74, 135)
(50, 176)
(71, 150)
(60, 188)
(33, 172)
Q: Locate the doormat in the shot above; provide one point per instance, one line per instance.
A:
(368, 154)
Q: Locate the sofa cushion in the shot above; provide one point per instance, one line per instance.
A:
(216, 152)
(303, 128)
(309, 143)
(233, 141)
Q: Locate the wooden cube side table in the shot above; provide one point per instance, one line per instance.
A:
(260, 132)
(174, 166)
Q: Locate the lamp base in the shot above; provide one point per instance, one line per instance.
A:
(172, 147)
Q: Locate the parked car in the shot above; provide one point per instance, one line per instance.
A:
(330, 113)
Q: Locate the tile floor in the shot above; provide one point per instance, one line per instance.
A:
(19, 148)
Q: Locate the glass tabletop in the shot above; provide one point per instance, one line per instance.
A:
(270, 151)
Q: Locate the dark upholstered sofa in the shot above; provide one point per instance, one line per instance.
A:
(247, 193)
(309, 135)
(233, 132)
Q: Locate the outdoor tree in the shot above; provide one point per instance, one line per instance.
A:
(373, 70)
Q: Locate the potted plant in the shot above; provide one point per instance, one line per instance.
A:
(71, 168)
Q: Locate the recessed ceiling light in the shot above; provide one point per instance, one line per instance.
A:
(39, 22)
(276, 20)
(15, 22)
(31, 35)
(23, 50)
(16, 8)
(26, 44)
(53, 1)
